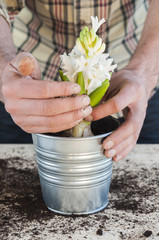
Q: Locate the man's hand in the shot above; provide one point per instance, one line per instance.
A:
(40, 106)
(131, 88)
(127, 92)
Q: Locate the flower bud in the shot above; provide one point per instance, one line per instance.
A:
(80, 46)
(92, 35)
(86, 43)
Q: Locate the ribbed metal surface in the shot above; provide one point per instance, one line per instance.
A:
(74, 173)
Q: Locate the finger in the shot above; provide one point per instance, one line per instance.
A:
(47, 107)
(128, 130)
(116, 151)
(123, 153)
(28, 88)
(115, 104)
(122, 133)
(26, 64)
(45, 129)
(51, 123)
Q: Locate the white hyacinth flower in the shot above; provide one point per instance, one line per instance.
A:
(95, 70)
(88, 57)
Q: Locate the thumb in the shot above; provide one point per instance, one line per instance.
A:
(26, 64)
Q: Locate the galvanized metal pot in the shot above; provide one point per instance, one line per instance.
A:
(74, 173)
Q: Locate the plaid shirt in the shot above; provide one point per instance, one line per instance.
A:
(47, 28)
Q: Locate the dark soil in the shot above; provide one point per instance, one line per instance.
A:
(23, 193)
(21, 198)
(99, 232)
(131, 190)
(147, 233)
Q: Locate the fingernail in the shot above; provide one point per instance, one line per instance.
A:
(26, 66)
(76, 89)
(117, 158)
(85, 101)
(108, 144)
(111, 153)
(87, 111)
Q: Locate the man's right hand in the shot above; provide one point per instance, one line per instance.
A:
(41, 106)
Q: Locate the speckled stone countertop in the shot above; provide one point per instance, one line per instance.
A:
(132, 213)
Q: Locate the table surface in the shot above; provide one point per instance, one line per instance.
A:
(132, 212)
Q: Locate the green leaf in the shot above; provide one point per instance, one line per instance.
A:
(80, 81)
(63, 77)
(98, 93)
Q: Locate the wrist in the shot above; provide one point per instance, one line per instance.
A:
(145, 74)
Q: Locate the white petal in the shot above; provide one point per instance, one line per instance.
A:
(80, 47)
(96, 24)
(98, 45)
(112, 67)
(101, 49)
(95, 83)
(90, 53)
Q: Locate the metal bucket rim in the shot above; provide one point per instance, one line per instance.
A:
(44, 135)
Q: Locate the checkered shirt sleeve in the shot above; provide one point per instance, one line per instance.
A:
(3, 11)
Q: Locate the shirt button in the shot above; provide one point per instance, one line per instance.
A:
(82, 22)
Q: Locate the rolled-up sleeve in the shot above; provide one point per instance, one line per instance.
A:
(3, 11)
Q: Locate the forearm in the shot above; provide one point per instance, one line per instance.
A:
(145, 60)
(7, 51)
